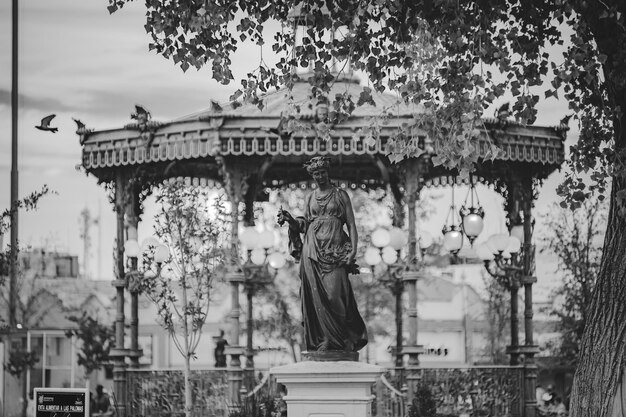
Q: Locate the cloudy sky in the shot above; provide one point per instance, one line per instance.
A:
(76, 60)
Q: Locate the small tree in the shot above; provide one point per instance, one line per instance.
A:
(283, 318)
(424, 404)
(19, 359)
(96, 342)
(195, 234)
(576, 239)
(28, 203)
(498, 310)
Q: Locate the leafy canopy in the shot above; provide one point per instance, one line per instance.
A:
(575, 237)
(452, 59)
(96, 338)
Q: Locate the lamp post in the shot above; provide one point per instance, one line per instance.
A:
(387, 248)
(503, 256)
(133, 251)
(256, 275)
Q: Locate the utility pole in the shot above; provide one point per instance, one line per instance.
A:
(99, 224)
(86, 221)
(14, 174)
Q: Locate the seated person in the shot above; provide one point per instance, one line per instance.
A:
(102, 403)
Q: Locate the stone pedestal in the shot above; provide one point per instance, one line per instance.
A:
(328, 389)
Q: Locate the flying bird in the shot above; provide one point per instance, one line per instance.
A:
(565, 120)
(503, 112)
(79, 125)
(45, 124)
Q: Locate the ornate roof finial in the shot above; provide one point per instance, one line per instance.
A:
(82, 131)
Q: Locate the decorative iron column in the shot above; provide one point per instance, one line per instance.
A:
(235, 187)
(520, 196)
(131, 223)
(249, 346)
(528, 279)
(248, 220)
(513, 348)
(411, 276)
(235, 372)
(513, 197)
(118, 353)
(397, 289)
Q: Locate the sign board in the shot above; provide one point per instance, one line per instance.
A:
(61, 402)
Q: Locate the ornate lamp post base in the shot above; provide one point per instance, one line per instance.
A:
(412, 373)
(119, 378)
(235, 372)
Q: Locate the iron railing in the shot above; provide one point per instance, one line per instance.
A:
(161, 393)
(480, 391)
(388, 401)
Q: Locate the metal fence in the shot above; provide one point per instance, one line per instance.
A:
(480, 391)
(484, 391)
(162, 393)
(388, 401)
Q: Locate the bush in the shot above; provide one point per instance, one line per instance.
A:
(423, 404)
(264, 406)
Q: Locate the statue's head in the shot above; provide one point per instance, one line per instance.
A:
(321, 112)
(317, 163)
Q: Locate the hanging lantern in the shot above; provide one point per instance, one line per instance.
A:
(473, 216)
(452, 235)
(452, 239)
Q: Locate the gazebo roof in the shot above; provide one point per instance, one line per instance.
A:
(251, 138)
(275, 103)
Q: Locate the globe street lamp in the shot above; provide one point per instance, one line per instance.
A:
(504, 257)
(386, 250)
(133, 250)
(501, 256)
(257, 274)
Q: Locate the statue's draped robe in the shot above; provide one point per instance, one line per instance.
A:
(329, 310)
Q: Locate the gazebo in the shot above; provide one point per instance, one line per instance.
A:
(248, 151)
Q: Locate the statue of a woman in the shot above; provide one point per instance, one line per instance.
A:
(327, 253)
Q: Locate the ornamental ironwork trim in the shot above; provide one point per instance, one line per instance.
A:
(205, 143)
